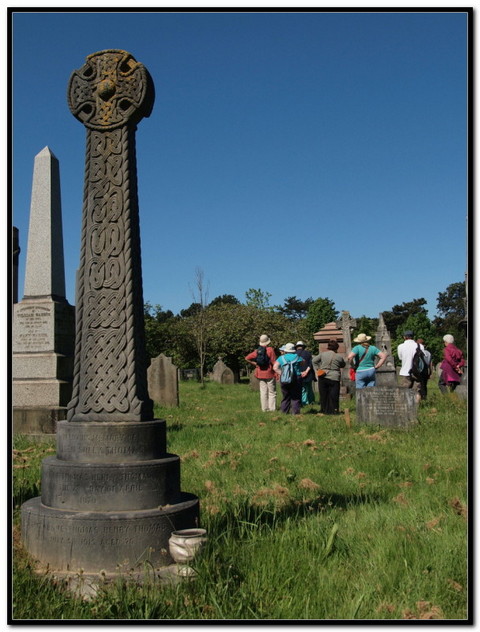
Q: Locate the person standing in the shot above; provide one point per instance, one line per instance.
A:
(452, 365)
(405, 351)
(329, 384)
(363, 358)
(308, 396)
(263, 362)
(291, 392)
(422, 389)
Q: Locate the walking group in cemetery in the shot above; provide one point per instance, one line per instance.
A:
(295, 369)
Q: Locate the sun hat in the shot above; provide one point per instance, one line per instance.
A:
(448, 338)
(288, 348)
(264, 339)
(362, 338)
(300, 344)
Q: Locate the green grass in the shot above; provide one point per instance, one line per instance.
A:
(307, 517)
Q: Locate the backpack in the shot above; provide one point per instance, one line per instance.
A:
(419, 368)
(262, 359)
(288, 374)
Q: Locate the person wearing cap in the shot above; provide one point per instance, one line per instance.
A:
(363, 357)
(308, 396)
(452, 365)
(292, 393)
(265, 375)
(405, 352)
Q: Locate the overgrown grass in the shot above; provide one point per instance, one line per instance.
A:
(307, 517)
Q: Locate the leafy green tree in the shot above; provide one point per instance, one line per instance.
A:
(399, 314)
(224, 299)
(294, 308)
(258, 298)
(157, 325)
(451, 313)
(192, 310)
(320, 312)
(422, 327)
(365, 325)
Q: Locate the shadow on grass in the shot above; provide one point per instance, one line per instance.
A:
(234, 517)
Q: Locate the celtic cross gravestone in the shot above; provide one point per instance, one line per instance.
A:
(111, 496)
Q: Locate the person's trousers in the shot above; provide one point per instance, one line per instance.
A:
(292, 397)
(365, 378)
(268, 393)
(329, 391)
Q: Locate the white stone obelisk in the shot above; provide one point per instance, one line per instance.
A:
(44, 322)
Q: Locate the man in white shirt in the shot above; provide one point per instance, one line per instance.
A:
(405, 352)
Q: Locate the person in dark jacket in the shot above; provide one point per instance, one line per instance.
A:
(308, 396)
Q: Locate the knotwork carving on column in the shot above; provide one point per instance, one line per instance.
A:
(110, 369)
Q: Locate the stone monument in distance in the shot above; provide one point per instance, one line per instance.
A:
(43, 321)
(386, 375)
(111, 496)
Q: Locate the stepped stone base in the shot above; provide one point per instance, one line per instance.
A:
(110, 499)
(110, 541)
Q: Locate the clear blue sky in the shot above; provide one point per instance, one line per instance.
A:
(306, 154)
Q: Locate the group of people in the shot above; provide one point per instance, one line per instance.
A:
(326, 369)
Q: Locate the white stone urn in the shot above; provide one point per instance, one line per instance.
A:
(183, 545)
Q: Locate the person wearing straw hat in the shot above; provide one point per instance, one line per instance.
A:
(365, 358)
(265, 374)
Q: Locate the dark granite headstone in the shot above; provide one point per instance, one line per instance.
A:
(386, 406)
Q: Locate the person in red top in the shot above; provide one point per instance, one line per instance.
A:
(265, 374)
(452, 365)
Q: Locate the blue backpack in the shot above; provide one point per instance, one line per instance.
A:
(288, 374)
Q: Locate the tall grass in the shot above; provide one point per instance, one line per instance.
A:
(307, 517)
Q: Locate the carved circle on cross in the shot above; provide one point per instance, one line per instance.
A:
(111, 89)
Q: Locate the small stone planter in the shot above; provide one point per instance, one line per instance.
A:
(184, 545)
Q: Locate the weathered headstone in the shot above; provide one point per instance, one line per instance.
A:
(254, 382)
(162, 377)
(222, 374)
(111, 496)
(386, 406)
(386, 374)
(43, 322)
(347, 325)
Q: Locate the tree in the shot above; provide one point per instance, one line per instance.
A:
(294, 307)
(320, 312)
(399, 314)
(451, 309)
(156, 329)
(258, 298)
(193, 309)
(422, 327)
(365, 325)
(225, 299)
